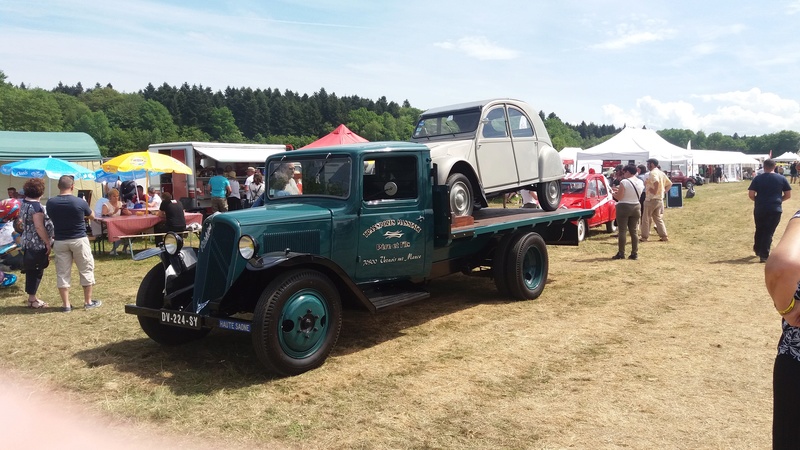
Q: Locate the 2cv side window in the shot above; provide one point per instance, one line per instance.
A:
(519, 123)
(390, 178)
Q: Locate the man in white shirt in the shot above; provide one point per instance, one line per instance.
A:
(251, 171)
(155, 200)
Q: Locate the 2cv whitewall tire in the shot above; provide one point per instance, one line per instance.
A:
(549, 193)
(151, 295)
(296, 322)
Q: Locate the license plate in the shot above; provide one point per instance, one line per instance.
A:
(180, 319)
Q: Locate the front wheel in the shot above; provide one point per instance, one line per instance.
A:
(151, 295)
(296, 322)
(689, 184)
(549, 194)
(581, 230)
(462, 199)
(527, 266)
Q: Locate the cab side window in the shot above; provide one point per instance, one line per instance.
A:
(390, 178)
(519, 123)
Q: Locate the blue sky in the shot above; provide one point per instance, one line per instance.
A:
(710, 65)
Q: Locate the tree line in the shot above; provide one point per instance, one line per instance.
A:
(123, 122)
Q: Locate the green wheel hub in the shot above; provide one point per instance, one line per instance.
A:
(533, 268)
(304, 324)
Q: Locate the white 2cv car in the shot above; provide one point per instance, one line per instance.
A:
(487, 148)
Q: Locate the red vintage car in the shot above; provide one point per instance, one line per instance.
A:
(584, 190)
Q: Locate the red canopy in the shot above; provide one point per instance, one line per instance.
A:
(341, 135)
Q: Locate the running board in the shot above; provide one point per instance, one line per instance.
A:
(388, 299)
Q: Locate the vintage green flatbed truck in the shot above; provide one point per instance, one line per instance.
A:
(370, 227)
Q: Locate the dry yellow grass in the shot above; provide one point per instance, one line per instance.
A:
(672, 351)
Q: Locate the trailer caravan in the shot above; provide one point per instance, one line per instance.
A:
(203, 158)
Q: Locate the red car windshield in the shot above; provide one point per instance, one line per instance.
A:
(573, 187)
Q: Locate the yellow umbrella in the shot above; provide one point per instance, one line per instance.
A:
(149, 161)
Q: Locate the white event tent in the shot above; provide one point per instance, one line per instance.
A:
(639, 145)
(787, 157)
(732, 163)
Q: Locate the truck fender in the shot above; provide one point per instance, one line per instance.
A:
(550, 165)
(287, 260)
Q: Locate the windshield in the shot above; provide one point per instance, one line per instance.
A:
(573, 187)
(321, 175)
(447, 123)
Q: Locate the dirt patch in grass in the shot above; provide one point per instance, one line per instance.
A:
(674, 350)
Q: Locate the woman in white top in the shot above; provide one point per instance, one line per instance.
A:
(235, 198)
(628, 211)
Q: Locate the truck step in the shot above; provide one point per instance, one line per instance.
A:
(385, 299)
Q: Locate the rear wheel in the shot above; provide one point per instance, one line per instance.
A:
(611, 227)
(151, 295)
(581, 230)
(689, 184)
(549, 194)
(461, 197)
(527, 266)
(500, 262)
(296, 322)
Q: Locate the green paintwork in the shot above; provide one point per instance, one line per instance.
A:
(304, 324)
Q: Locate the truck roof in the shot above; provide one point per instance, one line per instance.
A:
(358, 148)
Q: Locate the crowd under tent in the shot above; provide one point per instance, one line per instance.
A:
(734, 164)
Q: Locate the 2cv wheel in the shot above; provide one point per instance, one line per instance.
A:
(296, 322)
(151, 295)
(549, 194)
(462, 200)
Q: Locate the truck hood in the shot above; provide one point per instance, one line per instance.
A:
(283, 214)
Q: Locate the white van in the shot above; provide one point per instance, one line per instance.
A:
(202, 158)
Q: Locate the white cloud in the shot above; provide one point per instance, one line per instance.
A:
(743, 112)
(639, 30)
(478, 47)
(793, 7)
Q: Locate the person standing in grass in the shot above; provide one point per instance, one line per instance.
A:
(782, 278)
(768, 191)
(656, 184)
(69, 215)
(220, 190)
(628, 211)
(37, 239)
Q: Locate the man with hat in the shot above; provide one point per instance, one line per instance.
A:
(655, 186)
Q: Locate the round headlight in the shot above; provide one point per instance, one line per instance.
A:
(172, 243)
(247, 247)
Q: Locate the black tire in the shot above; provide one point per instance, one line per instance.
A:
(296, 322)
(612, 226)
(581, 230)
(527, 266)
(462, 199)
(499, 261)
(151, 295)
(549, 194)
(689, 184)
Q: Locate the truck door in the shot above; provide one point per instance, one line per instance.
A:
(495, 153)
(393, 234)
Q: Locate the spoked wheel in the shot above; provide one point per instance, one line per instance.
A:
(581, 230)
(527, 266)
(549, 194)
(296, 322)
(461, 196)
(151, 295)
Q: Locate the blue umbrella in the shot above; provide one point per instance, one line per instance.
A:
(50, 167)
(110, 177)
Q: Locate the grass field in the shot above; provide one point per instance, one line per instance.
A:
(674, 350)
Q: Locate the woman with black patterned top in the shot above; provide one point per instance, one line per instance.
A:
(782, 277)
